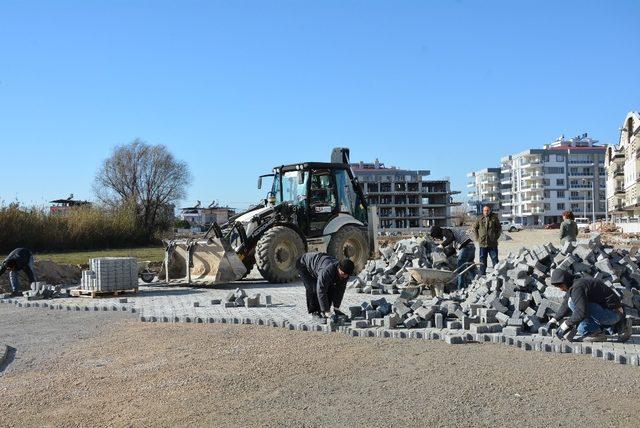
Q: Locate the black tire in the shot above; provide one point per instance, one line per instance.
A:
(147, 277)
(512, 229)
(352, 243)
(277, 252)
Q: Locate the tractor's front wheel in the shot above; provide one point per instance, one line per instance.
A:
(352, 243)
(277, 252)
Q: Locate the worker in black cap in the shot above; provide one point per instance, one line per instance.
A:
(325, 281)
(595, 309)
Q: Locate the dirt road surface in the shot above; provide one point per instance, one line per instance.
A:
(81, 369)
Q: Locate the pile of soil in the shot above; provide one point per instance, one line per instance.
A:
(49, 272)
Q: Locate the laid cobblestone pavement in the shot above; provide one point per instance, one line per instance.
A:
(167, 303)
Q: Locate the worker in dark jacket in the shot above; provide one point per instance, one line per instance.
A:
(487, 230)
(18, 260)
(594, 309)
(325, 281)
(459, 240)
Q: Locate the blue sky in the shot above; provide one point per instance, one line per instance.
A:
(236, 87)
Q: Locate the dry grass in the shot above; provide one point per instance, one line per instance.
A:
(81, 229)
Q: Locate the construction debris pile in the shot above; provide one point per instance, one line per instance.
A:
(110, 274)
(515, 297)
(389, 274)
(239, 298)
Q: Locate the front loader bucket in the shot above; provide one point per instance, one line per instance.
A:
(203, 261)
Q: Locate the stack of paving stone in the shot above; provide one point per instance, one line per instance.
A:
(110, 274)
(389, 274)
(515, 297)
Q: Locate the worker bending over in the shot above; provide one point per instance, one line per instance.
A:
(18, 260)
(325, 281)
(595, 308)
(462, 243)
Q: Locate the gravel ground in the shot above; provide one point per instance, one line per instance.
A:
(80, 369)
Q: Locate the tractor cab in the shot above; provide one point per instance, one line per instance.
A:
(319, 192)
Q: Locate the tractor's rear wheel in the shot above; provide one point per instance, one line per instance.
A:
(352, 243)
(277, 252)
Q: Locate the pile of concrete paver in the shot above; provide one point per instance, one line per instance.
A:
(515, 297)
(390, 274)
(240, 298)
(40, 290)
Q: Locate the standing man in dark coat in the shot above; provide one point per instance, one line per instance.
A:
(487, 229)
(18, 260)
(325, 281)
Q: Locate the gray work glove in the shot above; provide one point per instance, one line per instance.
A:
(562, 331)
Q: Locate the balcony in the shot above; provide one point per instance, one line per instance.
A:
(581, 174)
(618, 172)
(581, 186)
(619, 191)
(532, 188)
(532, 211)
(580, 162)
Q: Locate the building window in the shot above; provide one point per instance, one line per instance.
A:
(559, 158)
(560, 182)
(560, 194)
(554, 170)
(561, 206)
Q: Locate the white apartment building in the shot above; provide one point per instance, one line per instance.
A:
(623, 172)
(537, 185)
(484, 188)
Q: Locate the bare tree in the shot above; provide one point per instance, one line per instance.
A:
(460, 216)
(148, 177)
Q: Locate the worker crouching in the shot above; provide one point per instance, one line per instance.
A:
(325, 281)
(596, 309)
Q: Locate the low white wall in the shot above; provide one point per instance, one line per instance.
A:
(629, 227)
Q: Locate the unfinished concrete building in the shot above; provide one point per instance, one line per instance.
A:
(623, 174)
(484, 189)
(406, 199)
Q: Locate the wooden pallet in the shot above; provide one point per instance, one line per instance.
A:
(95, 293)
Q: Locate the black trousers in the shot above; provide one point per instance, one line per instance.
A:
(336, 292)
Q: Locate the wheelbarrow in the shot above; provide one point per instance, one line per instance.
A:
(437, 279)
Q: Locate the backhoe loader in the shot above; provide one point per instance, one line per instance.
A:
(312, 206)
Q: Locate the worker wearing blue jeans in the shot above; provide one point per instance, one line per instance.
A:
(466, 255)
(598, 318)
(457, 239)
(18, 260)
(485, 253)
(596, 309)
